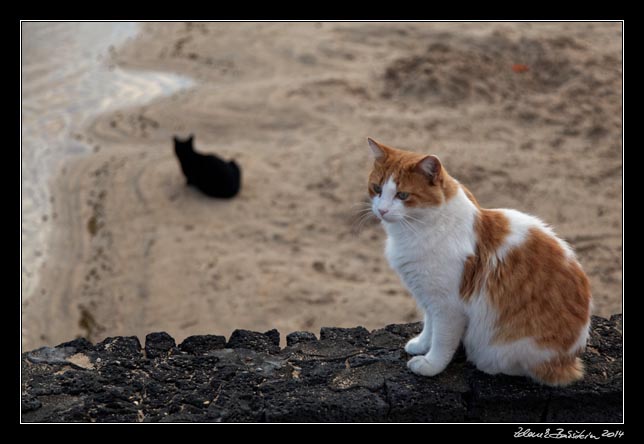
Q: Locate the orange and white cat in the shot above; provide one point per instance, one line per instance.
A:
(498, 280)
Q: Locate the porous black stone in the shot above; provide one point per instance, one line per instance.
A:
(197, 345)
(120, 347)
(354, 336)
(299, 336)
(158, 344)
(78, 344)
(348, 375)
(253, 340)
(274, 336)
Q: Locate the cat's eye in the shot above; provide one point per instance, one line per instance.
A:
(376, 188)
(402, 195)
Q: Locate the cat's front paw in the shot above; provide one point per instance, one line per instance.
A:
(417, 347)
(423, 366)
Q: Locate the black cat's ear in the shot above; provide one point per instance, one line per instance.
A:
(190, 137)
(175, 138)
(379, 151)
(431, 167)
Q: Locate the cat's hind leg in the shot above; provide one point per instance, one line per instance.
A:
(421, 343)
(448, 326)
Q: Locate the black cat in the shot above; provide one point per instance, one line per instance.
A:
(208, 173)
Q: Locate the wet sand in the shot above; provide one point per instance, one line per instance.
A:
(133, 250)
(68, 79)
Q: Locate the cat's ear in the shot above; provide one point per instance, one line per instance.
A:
(379, 151)
(431, 167)
(190, 137)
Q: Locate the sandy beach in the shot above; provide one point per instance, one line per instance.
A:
(526, 115)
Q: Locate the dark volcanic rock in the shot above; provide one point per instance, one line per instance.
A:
(319, 404)
(158, 344)
(354, 336)
(299, 336)
(394, 335)
(120, 347)
(30, 403)
(349, 375)
(79, 344)
(253, 340)
(274, 336)
(197, 345)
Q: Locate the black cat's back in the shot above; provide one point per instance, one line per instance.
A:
(235, 183)
(210, 174)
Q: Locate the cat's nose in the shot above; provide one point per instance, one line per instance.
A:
(382, 211)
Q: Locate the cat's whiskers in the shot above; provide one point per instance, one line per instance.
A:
(422, 222)
(407, 224)
(361, 213)
(361, 217)
(362, 221)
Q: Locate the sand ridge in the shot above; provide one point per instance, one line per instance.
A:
(135, 251)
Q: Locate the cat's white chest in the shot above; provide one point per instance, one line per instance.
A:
(429, 268)
(429, 256)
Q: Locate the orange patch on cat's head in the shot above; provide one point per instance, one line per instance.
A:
(422, 176)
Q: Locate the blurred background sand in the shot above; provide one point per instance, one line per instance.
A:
(125, 248)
